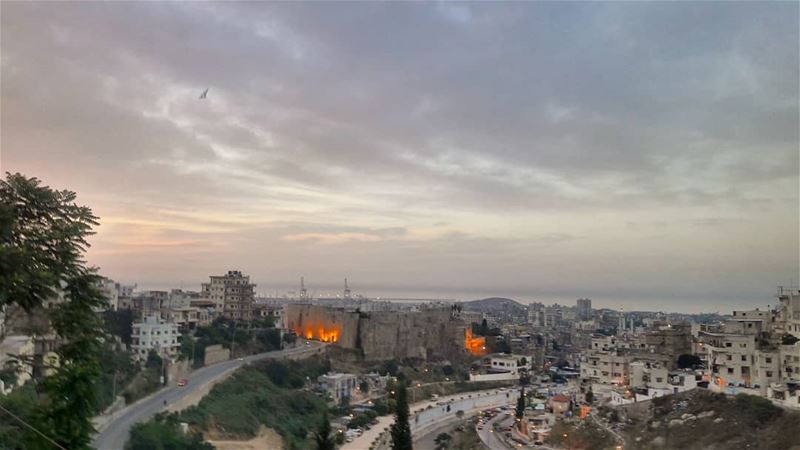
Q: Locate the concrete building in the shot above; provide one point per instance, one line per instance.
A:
(187, 318)
(536, 315)
(583, 309)
(605, 368)
(154, 333)
(789, 310)
(233, 293)
(338, 386)
(730, 358)
(269, 311)
(505, 363)
(110, 291)
(671, 341)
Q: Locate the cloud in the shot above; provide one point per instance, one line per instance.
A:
(535, 130)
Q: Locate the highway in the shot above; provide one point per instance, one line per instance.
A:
(491, 438)
(113, 434)
(429, 415)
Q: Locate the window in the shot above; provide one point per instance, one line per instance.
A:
(729, 357)
(730, 370)
(728, 344)
(769, 360)
(744, 357)
(769, 374)
(659, 379)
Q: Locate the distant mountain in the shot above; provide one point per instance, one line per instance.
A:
(493, 304)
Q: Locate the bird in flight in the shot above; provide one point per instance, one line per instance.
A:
(204, 94)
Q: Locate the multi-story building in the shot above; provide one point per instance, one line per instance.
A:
(233, 293)
(536, 316)
(269, 311)
(670, 340)
(730, 358)
(789, 310)
(154, 333)
(338, 385)
(187, 318)
(606, 367)
(583, 309)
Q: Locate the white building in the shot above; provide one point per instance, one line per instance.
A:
(504, 363)
(338, 385)
(154, 333)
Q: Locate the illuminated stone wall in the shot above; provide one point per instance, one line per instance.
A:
(321, 323)
(382, 335)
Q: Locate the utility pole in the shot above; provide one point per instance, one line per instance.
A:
(233, 336)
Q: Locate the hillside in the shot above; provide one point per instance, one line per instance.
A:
(493, 304)
(700, 419)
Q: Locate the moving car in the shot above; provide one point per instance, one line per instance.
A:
(183, 382)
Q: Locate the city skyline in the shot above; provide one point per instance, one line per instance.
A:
(531, 150)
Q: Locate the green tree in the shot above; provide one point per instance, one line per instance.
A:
(119, 323)
(401, 430)
(322, 437)
(442, 440)
(163, 434)
(519, 411)
(43, 236)
(688, 361)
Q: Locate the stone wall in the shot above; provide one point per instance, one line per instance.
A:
(381, 335)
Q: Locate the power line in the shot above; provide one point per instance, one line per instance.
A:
(32, 428)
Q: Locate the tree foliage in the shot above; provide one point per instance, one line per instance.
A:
(688, 361)
(43, 236)
(322, 437)
(789, 339)
(519, 411)
(401, 430)
(163, 434)
(442, 440)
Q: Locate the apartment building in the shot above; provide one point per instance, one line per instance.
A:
(154, 333)
(233, 294)
(338, 385)
(730, 358)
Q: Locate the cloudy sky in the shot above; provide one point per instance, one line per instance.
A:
(640, 154)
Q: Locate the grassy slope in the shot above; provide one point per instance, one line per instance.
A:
(265, 393)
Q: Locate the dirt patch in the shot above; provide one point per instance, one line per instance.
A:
(266, 439)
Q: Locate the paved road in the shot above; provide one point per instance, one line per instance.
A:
(113, 434)
(428, 440)
(431, 414)
(491, 438)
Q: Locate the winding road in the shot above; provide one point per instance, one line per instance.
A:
(113, 433)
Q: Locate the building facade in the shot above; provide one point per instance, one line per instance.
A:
(233, 294)
(154, 333)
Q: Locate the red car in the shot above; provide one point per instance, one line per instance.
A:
(183, 382)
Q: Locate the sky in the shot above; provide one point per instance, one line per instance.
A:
(642, 154)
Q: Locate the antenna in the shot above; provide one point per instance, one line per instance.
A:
(303, 291)
(346, 290)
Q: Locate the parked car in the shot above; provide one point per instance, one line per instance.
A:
(183, 382)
